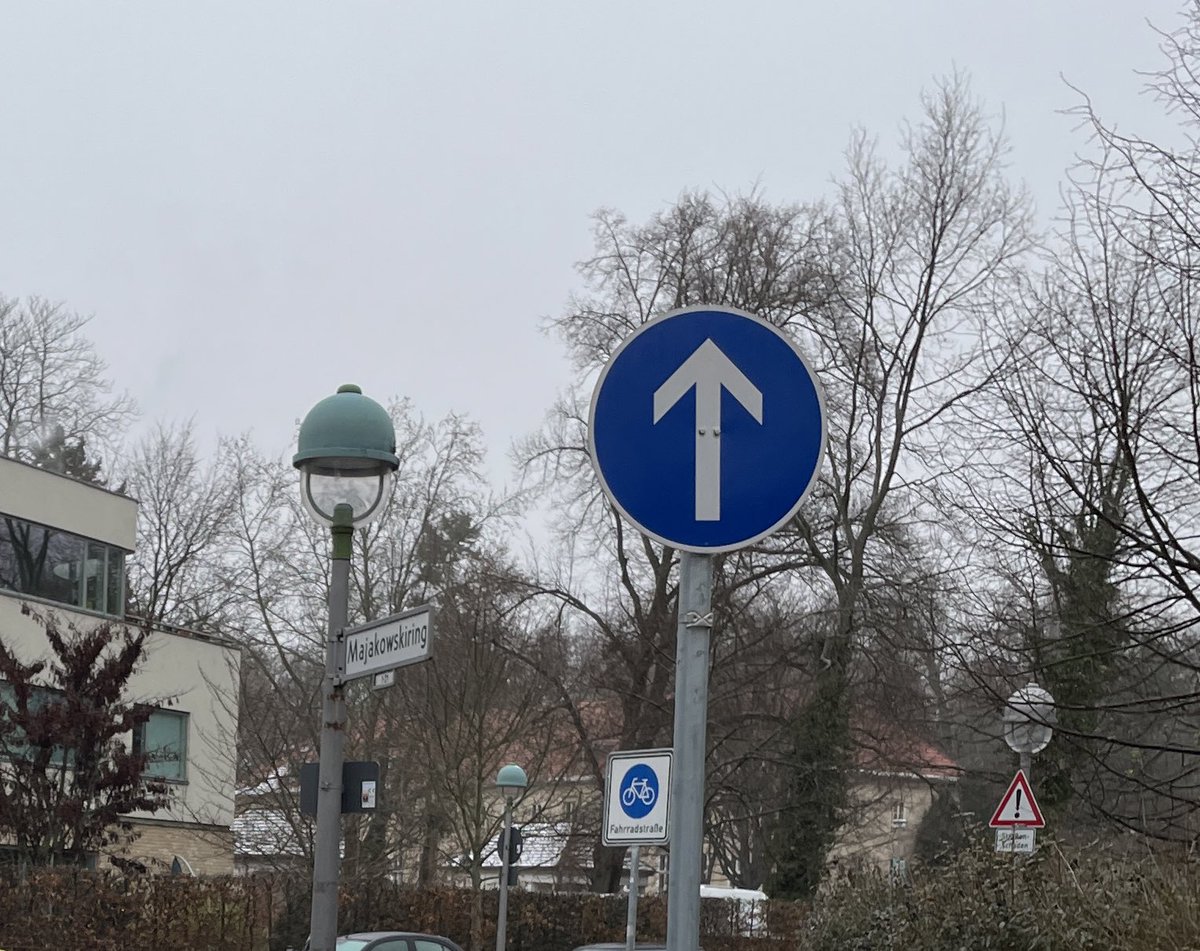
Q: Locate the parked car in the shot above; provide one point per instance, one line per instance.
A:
(393, 941)
(620, 946)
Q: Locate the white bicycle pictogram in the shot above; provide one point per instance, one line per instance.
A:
(638, 789)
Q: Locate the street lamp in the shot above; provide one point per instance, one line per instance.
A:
(1029, 721)
(346, 450)
(512, 782)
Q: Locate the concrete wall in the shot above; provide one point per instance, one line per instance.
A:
(199, 677)
(60, 502)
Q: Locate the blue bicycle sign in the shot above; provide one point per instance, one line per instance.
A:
(639, 791)
(637, 798)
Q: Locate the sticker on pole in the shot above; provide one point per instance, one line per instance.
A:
(637, 798)
(1018, 807)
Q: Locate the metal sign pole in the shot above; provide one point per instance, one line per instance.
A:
(631, 914)
(687, 780)
(327, 840)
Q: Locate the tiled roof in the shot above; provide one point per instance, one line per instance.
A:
(889, 750)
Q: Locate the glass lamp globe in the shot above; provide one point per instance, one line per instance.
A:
(346, 450)
(1029, 719)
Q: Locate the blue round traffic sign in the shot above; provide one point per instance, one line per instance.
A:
(639, 791)
(707, 428)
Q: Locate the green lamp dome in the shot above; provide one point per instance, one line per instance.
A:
(511, 777)
(346, 431)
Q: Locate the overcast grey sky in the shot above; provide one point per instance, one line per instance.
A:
(259, 200)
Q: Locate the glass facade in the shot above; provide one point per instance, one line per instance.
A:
(58, 566)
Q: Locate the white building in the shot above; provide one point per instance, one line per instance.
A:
(63, 545)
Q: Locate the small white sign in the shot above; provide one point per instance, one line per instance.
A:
(637, 798)
(368, 794)
(384, 680)
(392, 642)
(1016, 839)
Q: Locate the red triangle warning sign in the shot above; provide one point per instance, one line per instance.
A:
(1018, 807)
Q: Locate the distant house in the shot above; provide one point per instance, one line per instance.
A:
(891, 786)
(895, 781)
(267, 840)
(269, 831)
(63, 545)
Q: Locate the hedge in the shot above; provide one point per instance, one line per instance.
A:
(979, 900)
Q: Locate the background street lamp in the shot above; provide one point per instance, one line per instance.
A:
(512, 782)
(1029, 721)
(346, 450)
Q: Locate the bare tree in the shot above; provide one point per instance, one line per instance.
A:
(184, 514)
(426, 546)
(1093, 506)
(52, 382)
(889, 290)
(612, 594)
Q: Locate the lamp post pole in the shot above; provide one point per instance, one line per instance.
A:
(512, 781)
(327, 840)
(345, 452)
(502, 915)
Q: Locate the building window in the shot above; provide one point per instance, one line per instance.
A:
(163, 738)
(899, 816)
(58, 566)
(13, 744)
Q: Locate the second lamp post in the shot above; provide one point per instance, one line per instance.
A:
(512, 782)
(1029, 721)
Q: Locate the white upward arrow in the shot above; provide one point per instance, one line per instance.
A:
(708, 370)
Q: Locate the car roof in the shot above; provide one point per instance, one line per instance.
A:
(619, 946)
(374, 935)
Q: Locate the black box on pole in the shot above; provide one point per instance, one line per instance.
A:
(360, 785)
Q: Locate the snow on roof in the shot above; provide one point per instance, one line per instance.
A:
(550, 845)
(542, 845)
(268, 832)
(740, 894)
(277, 781)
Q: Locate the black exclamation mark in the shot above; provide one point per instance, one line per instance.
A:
(1017, 814)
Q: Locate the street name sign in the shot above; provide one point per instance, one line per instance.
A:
(636, 798)
(707, 429)
(1018, 807)
(391, 642)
